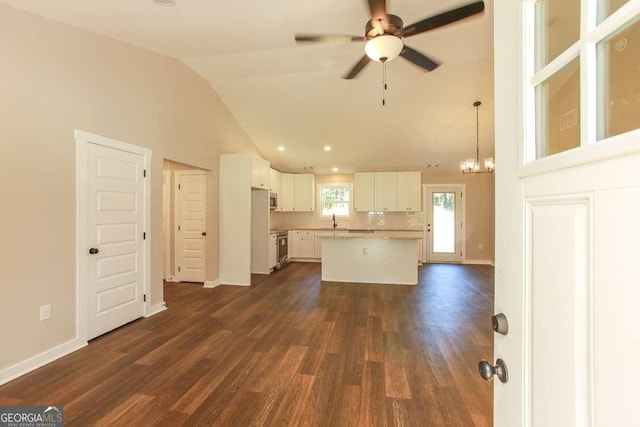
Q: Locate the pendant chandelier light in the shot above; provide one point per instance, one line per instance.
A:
(473, 165)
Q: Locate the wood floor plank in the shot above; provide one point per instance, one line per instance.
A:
(288, 350)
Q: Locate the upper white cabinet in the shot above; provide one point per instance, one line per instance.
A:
(260, 173)
(409, 191)
(297, 192)
(386, 191)
(276, 186)
(304, 192)
(286, 198)
(275, 181)
(364, 192)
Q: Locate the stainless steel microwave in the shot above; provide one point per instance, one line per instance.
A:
(273, 201)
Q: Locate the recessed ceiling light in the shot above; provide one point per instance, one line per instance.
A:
(335, 169)
(327, 148)
(165, 3)
(281, 148)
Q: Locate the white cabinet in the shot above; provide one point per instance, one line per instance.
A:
(364, 192)
(286, 199)
(302, 244)
(304, 192)
(409, 191)
(273, 250)
(386, 191)
(275, 181)
(297, 192)
(260, 173)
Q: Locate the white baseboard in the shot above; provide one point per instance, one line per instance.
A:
(305, 260)
(155, 309)
(209, 284)
(34, 362)
(478, 261)
(171, 279)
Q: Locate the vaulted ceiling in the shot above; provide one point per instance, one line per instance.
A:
(293, 95)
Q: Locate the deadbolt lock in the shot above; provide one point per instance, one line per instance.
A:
(500, 324)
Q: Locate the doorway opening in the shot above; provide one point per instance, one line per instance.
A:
(184, 222)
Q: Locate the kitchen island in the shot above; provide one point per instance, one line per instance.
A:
(369, 259)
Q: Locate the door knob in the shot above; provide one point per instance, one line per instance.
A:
(487, 371)
(500, 324)
(93, 251)
(204, 233)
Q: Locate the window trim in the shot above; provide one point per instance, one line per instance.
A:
(319, 204)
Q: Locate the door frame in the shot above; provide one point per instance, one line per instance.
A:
(167, 223)
(427, 206)
(82, 139)
(177, 217)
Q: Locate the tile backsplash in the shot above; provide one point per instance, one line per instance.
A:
(364, 220)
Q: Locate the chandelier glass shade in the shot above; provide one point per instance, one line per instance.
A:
(473, 165)
(383, 48)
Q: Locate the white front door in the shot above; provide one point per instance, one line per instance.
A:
(115, 236)
(190, 225)
(444, 230)
(567, 209)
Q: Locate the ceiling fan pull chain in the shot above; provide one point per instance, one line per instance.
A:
(384, 81)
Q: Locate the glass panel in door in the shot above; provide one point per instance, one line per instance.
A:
(619, 87)
(443, 226)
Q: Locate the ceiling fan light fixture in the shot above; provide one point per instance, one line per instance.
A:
(165, 3)
(385, 46)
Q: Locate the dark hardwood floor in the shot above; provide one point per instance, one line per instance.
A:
(289, 350)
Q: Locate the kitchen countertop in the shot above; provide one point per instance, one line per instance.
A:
(370, 236)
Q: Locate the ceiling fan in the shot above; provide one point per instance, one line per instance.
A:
(384, 34)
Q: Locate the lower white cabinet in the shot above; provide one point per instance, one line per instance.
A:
(301, 244)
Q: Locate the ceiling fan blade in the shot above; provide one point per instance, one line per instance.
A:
(335, 38)
(443, 19)
(355, 70)
(419, 59)
(378, 10)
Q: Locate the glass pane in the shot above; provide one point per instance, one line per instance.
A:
(337, 208)
(607, 7)
(557, 28)
(619, 82)
(444, 219)
(558, 112)
(335, 193)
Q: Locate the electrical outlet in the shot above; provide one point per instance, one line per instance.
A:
(480, 246)
(364, 251)
(45, 312)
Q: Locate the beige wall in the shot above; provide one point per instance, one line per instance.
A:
(54, 79)
(479, 212)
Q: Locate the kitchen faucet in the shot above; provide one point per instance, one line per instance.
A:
(335, 224)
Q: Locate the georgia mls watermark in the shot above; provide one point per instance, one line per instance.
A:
(31, 416)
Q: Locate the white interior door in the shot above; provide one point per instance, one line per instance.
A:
(115, 233)
(444, 232)
(566, 231)
(190, 191)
